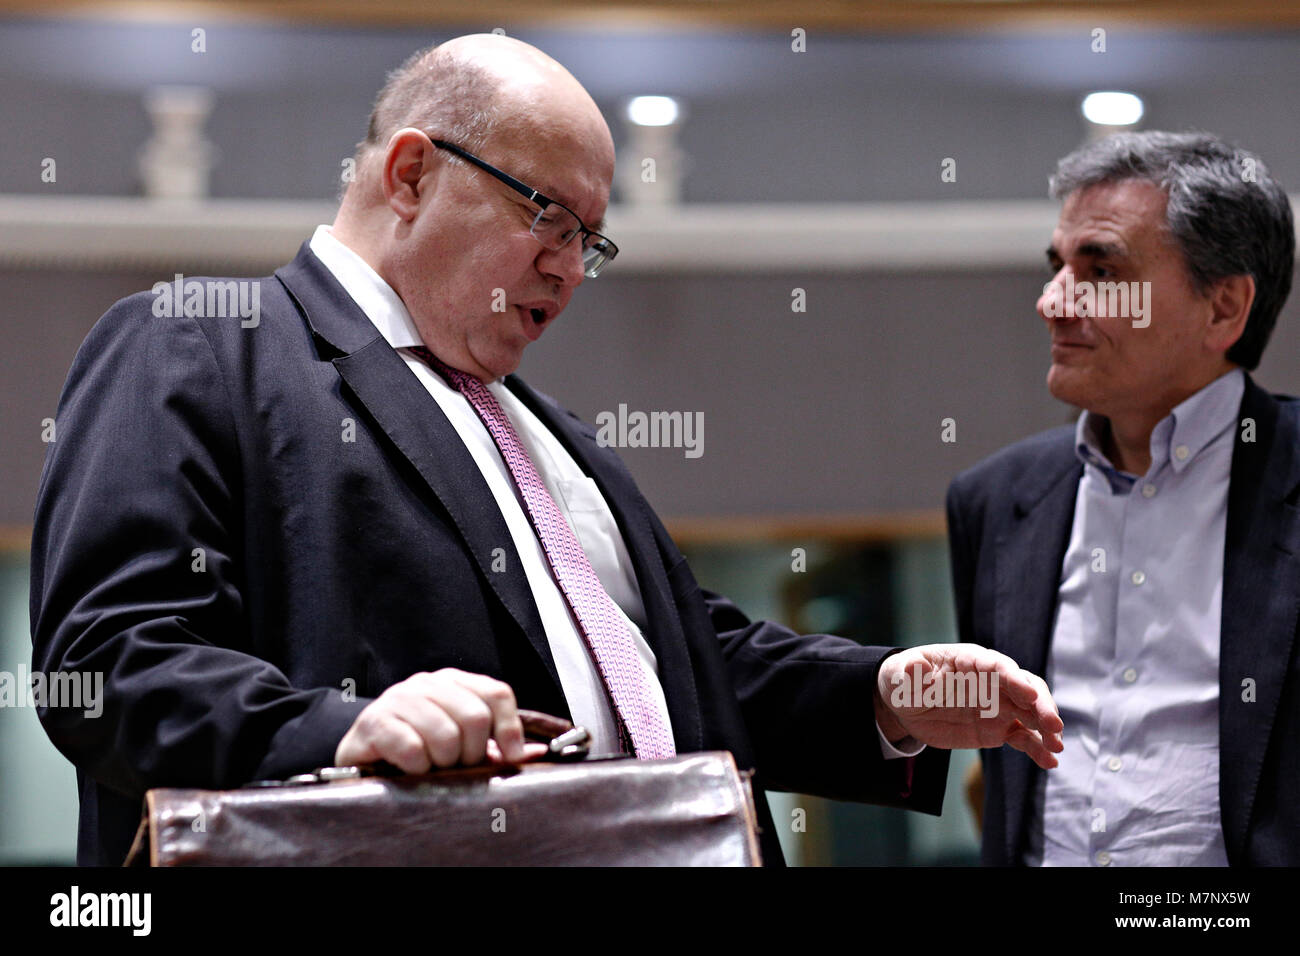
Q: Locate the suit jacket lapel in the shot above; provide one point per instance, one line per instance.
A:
(1261, 601)
(1028, 558)
(401, 407)
(663, 618)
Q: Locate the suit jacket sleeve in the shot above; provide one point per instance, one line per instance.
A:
(137, 574)
(807, 701)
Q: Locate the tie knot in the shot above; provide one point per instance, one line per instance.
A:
(458, 379)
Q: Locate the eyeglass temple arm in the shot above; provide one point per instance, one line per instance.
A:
(527, 191)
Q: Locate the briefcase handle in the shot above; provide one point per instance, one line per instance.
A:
(564, 741)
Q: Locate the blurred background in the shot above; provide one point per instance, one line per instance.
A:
(835, 248)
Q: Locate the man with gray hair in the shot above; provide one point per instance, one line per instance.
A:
(1147, 559)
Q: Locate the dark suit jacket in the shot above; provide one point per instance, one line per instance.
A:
(331, 564)
(1009, 522)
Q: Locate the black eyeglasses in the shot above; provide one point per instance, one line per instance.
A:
(555, 224)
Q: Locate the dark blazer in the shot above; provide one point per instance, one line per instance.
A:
(331, 565)
(1009, 522)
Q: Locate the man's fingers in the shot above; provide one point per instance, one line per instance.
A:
(436, 719)
(1018, 684)
(465, 741)
(1030, 743)
(1042, 720)
(1028, 696)
(532, 751)
(1048, 717)
(385, 736)
(505, 726)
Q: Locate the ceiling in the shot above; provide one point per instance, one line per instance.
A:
(837, 15)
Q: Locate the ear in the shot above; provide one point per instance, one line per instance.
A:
(407, 172)
(1230, 302)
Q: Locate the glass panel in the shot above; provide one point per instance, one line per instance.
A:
(894, 593)
(38, 786)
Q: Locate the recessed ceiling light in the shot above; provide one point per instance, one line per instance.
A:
(653, 110)
(1111, 108)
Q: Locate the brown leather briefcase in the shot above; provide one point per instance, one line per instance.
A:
(695, 809)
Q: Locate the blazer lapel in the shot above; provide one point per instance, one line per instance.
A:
(412, 420)
(663, 618)
(1261, 601)
(1028, 559)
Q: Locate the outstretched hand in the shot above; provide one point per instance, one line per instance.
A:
(965, 695)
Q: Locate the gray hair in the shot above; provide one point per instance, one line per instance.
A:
(434, 91)
(1226, 213)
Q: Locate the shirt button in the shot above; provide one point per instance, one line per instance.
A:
(1130, 675)
(1138, 577)
(1148, 491)
(1103, 858)
(1113, 764)
(1181, 452)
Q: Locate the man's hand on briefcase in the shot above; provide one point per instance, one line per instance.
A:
(439, 719)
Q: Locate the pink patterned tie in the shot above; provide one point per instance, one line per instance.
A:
(598, 617)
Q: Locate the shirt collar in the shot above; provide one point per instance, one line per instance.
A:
(1201, 419)
(375, 296)
(1089, 437)
(1177, 439)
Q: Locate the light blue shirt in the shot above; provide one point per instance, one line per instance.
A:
(1134, 660)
